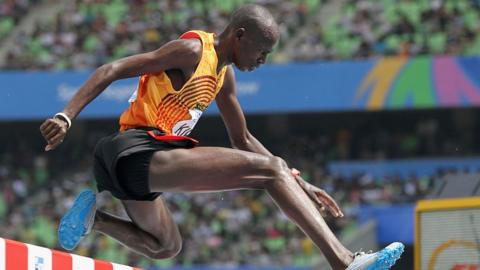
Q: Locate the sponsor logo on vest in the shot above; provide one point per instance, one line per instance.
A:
(183, 128)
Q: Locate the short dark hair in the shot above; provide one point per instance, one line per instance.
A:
(253, 17)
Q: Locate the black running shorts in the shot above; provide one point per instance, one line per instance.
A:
(121, 163)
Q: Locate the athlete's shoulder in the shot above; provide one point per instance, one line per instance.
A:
(193, 41)
(184, 52)
(192, 47)
(188, 47)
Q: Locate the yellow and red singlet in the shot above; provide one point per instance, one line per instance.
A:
(157, 104)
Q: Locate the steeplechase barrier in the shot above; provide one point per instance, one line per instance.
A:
(448, 234)
(21, 256)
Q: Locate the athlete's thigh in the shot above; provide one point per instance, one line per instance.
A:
(204, 169)
(154, 218)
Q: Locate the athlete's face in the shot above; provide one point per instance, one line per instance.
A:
(251, 49)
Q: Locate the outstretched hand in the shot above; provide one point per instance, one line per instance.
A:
(54, 131)
(324, 202)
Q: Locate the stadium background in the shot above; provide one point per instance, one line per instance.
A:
(373, 100)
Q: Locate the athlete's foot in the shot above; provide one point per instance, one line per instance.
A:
(78, 221)
(381, 260)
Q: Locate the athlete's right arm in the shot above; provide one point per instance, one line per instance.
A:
(178, 54)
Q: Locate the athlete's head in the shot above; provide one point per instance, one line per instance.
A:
(254, 33)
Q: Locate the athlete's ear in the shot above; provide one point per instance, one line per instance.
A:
(239, 33)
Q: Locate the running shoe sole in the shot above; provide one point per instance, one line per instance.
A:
(74, 224)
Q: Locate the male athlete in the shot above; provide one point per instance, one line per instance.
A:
(151, 153)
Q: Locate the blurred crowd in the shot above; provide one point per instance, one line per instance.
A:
(231, 228)
(88, 33)
(11, 13)
(366, 28)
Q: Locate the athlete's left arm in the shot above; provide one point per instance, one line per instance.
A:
(242, 139)
(234, 118)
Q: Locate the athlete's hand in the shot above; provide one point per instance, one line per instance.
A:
(54, 131)
(324, 202)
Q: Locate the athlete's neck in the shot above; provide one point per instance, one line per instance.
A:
(223, 50)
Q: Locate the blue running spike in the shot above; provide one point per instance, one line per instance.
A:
(388, 256)
(78, 220)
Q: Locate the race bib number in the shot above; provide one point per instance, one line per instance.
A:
(183, 128)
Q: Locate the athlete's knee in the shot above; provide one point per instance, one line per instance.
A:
(167, 250)
(279, 170)
(175, 247)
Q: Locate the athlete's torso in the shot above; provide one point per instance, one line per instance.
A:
(173, 101)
